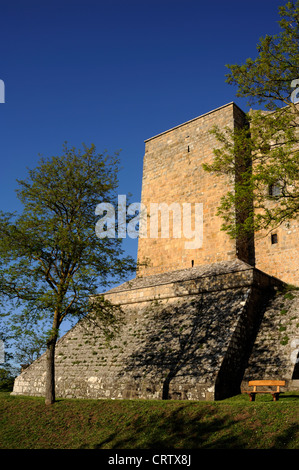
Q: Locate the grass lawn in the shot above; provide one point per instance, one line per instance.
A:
(235, 423)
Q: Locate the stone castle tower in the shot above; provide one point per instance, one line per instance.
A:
(203, 314)
(173, 173)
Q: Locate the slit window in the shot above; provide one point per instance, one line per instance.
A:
(274, 239)
(274, 190)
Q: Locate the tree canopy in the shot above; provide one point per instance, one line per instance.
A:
(51, 261)
(263, 156)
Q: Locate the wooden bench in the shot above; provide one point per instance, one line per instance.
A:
(264, 383)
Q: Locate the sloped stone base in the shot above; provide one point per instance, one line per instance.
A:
(185, 335)
(275, 353)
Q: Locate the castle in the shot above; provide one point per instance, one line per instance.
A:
(173, 173)
(203, 315)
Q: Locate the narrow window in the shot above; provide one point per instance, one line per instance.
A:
(192, 263)
(274, 238)
(274, 190)
(188, 149)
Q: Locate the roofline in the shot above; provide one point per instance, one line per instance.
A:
(194, 119)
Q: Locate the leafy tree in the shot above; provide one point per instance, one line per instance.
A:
(262, 157)
(51, 261)
(7, 378)
(7, 371)
(29, 345)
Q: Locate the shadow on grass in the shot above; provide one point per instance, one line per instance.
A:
(292, 397)
(286, 436)
(179, 429)
(206, 428)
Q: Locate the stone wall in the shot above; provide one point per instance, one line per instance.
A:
(185, 335)
(173, 173)
(186, 332)
(275, 354)
(279, 259)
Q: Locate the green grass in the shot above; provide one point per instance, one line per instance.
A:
(235, 423)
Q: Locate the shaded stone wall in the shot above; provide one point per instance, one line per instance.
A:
(187, 336)
(275, 354)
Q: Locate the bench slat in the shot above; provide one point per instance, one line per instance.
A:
(266, 382)
(250, 392)
(263, 383)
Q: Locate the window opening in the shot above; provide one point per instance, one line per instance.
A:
(274, 190)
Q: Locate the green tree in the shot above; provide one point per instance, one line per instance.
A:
(7, 378)
(51, 261)
(28, 345)
(262, 157)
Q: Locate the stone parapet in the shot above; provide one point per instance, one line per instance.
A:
(193, 281)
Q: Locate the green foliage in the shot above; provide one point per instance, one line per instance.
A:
(266, 80)
(51, 261)
(264, 154)
(234, 160)
(6, 379)
(28, 344)
(284, 340)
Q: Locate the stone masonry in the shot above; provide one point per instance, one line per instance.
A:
(276, 349)
(186, 335)
(195, 323)
(173, 173)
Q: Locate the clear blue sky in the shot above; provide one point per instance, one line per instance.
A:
(115, 73)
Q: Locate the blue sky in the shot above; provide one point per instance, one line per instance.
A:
(115, 73)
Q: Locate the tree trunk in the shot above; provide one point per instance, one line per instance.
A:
(50, 370)
(168, 379)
